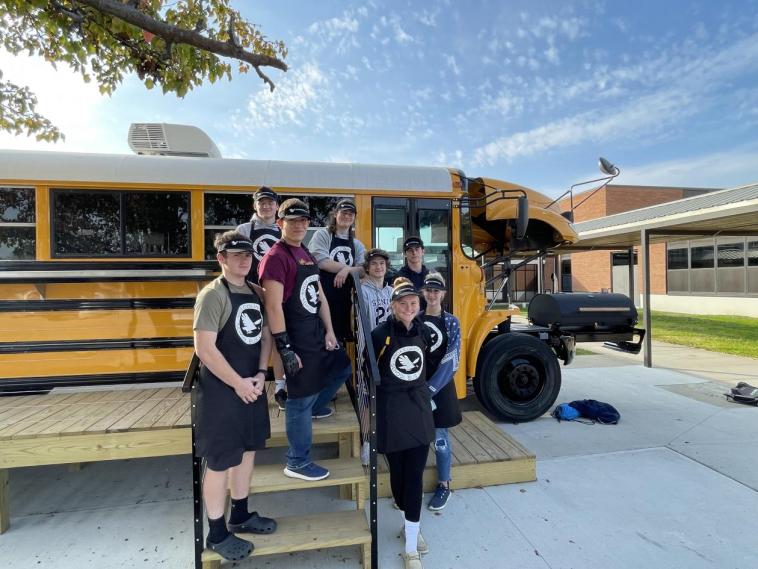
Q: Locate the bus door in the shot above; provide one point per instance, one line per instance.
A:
(395, 219)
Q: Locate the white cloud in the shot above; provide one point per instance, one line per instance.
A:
(551, 54)
(451, 63)
(644, 115)
(301, 95)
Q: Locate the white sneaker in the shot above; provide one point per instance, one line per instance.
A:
(421, 546)
(412, 560)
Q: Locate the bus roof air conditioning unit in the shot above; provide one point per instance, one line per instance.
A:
(161, 139)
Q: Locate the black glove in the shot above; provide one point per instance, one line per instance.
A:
(289, 359)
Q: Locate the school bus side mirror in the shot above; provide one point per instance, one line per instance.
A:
(523, 216)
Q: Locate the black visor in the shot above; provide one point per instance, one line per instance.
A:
(236, 246)
(434, 283)
(265, 192)
(294, 211)
(346, 205)
(412, 242)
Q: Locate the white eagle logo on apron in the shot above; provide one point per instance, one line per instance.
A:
(262, 245)
(309, 294)
(436, 335)
(249, 322)
(407, 363)
(342, 254)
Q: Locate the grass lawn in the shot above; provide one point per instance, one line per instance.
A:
(727, 334)
(583, 352)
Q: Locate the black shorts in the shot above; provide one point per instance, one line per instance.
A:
(229, 459)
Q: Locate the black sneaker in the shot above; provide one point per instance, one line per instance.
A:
(281, 399)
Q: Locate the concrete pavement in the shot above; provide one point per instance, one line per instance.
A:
(674, 485)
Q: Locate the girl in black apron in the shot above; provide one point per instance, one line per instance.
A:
(342, 250)
(443, 361)
(405, 426)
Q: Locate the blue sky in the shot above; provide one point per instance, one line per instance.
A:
(526, 91)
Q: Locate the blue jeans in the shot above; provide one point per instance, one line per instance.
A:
(299, 422)
(443, 454)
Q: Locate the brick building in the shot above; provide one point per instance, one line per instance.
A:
(607, 271)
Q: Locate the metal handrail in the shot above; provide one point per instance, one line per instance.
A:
(366, 365)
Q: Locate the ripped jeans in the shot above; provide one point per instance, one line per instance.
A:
(443, 454)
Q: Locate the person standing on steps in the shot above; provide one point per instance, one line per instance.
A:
(444, 356)
(404, 422)
(376, 294)
(414, 269)
(263, 231)
(315, 364)
(233, 342)
(339, 254)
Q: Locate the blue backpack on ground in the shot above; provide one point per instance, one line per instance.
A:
(603, 413)
(565, 412)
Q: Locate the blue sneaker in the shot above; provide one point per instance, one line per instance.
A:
(323, 413)
(310, 472)
(440, 498)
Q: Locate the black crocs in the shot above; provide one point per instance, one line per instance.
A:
(254, 524)
(232, 548)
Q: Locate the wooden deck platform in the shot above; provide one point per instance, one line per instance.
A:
(483, 455)
(110, 424)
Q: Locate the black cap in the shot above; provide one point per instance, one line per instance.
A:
(294, 211)
(346, 205)
(404, 289)
(376, 252)
(236, 246)
(412, 242)
(266, 192)
(433, 282)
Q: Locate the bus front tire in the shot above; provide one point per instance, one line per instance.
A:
(518, 379)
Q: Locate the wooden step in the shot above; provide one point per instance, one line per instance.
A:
(303, 533)
(343, 471)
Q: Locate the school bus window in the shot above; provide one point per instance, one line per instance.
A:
(17, 224)
(222, 213)
(434, 232)
(319, 206)
(112, 223)
(467, 239)
(389, 231)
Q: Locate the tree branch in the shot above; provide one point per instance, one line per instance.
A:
(177, 35)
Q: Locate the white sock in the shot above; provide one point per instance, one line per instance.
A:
(280, 384)
(411, 536)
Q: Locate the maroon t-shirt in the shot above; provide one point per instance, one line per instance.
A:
(278, 265)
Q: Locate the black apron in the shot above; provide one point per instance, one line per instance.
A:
(448, 412)
(342, 251)
(263, 239)
(403, 401)
(225, 423)
(306, 333)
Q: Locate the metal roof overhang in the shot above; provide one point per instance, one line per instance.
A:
(662, 224)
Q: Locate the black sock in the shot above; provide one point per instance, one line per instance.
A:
(218, 531)
(239, 511)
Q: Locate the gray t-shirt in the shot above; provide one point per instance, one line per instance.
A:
(322, 239)
(213, 306)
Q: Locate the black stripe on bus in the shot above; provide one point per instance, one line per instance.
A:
(92, 345)
(107, 265)
(94, 304)
(21, 385)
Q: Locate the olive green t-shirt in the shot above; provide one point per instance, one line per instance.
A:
(213, 306)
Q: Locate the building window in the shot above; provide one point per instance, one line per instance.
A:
(752, 253)
(120, 224)
(677, 259)
(731, 255)
(17, 224)
(702, 257)
(566, 284)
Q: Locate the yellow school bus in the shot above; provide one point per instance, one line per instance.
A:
(101, 257)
